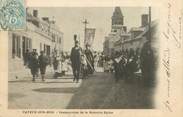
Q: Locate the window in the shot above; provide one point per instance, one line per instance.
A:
(16, 49)
(60, 40)
(53, 37)
(131, 43)
(26, 44)
(57, 39)
(41, 47)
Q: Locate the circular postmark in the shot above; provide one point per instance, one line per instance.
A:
(13, 20)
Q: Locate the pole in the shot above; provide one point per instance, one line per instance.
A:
(85, 26)
(89, 63)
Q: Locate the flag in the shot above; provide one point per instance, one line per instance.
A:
(89, 36)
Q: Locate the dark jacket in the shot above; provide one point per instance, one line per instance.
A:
(147, 57)
(75, 57)
(33, 62)
(43, 61)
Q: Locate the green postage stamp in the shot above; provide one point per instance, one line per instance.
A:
(12, 15)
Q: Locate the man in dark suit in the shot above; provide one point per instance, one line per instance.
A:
(43, 62)
(76, 59)
(34, 65)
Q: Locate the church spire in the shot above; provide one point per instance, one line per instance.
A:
(117, 18)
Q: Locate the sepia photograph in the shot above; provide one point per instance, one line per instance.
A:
(84, 58)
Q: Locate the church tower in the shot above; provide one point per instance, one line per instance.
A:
(118, 22)
(117, 17)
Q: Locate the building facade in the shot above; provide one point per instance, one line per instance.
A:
(119, 39)
(132, 42)
(139, 35)
(40, 34)
(117, 30)
(118, 45)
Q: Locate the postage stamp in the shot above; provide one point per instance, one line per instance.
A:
(12, 15)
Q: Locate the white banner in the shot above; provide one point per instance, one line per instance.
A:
(89, 36)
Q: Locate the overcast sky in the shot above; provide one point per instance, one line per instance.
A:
(69, 20)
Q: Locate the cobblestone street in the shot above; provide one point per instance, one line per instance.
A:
(99, 91)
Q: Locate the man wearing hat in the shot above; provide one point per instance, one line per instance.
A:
(76, 59)
(43, 62)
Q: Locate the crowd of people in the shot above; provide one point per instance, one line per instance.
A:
(132, 64)
(61, 63)
(36, 63)
(127, 65)
(80, 62)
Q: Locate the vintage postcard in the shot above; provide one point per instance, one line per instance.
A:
(91, 58)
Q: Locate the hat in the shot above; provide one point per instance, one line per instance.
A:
(76, 41)
(75, 38)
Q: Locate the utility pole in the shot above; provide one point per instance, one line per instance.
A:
(85, 22)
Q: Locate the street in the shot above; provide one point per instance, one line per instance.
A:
(99, 91)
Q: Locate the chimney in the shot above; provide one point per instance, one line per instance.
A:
(144, 20)
(35, 13)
